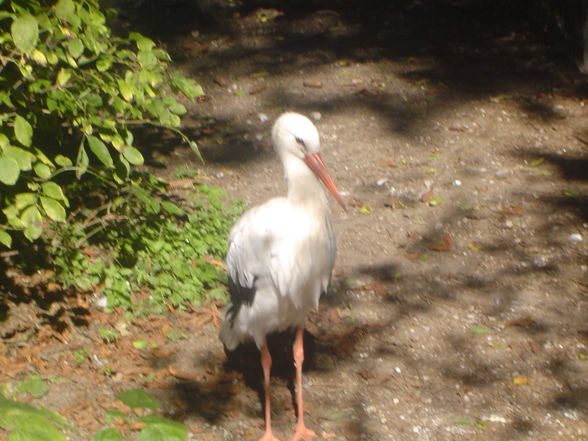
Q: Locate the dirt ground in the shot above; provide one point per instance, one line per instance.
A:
(456, 132)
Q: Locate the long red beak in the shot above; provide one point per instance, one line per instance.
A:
(316, 164)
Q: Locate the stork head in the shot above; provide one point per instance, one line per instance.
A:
(295, 136)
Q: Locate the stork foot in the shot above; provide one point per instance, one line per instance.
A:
(302, 432)
(268, 436)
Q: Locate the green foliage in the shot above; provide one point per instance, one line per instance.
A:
(137, 398)
(109, 335)
(141, 250)
(34, 385)
(26, 422)
(69, 93)
(30, 423)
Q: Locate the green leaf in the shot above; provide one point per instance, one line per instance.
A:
(480, 329)
(5, 238)
(33, 222)
(172, 208)
(65, 9)
(177, 108)
(53, 190)
(147, 59)
(140, 344)
(35, 386)
(23, 157)
(570, 193)
(464, 421)
(136, 398)
(537, 162)
(161, 429)
(75, 47)
(100, 150)
(23, 200)
(104, 63)
(175, 334)
(80, 356)
(108, 435)
(143, 43)
(482, 425)
(53, 208)
(39, 58)
(30, 426)
(126, 90)
(82, 161)
(109, 335)
(122, 169)
(63, 77)
(25, 33)
(42, 170)
(4, 141)
(23, 131)
(112, 415)
(9, 170)
(133, 155)
(63, 161)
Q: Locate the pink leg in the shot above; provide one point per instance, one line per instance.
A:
(266, 363)
(302, 432)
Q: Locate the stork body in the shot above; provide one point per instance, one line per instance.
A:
(281, 255)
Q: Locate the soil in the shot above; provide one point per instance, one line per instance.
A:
(456, 132)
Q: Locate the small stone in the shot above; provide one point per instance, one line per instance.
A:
(575, 237)
(257, 88)
(220, 80)
(316, 116)
(313, 83)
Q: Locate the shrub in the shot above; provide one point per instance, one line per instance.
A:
(69, 93)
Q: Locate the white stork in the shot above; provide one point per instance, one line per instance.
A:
(281, 255)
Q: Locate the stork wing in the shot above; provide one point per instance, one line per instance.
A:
(292, 255)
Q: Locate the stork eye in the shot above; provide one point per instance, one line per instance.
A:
(300, 141)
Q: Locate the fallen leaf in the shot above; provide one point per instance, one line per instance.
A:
(261, 74)
(570, 193)
(480, 329)
(425, 197)
(366, 209)
(474, 246)
(137, 425)
(366, 374)
(379, 379)
(537, 162)
(517, 210)
(389, 164)
(377, 288)
(182, 375)
(312, 83)
(257, 88)
(527, 321)
(90, 252)
(445, 246)
(520, 381)
(464, 421)
(213, 261)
